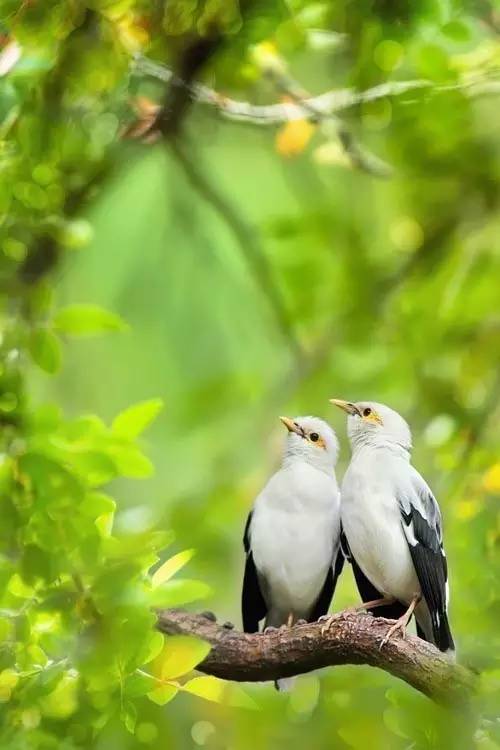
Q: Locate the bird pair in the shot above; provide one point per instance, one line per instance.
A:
(385, 521)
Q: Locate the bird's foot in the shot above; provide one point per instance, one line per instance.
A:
(301, 622)
(399, 625)
(269, 629)
(402, 623)
(327, 621)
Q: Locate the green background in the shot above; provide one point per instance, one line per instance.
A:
(389, 289)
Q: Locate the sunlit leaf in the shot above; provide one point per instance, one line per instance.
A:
(162, 695)
(180, 591)
(180, 654)
(171, 567)
(240, 699)
(134, 420)
(97, 503)
(131, 462)
(85, 320)
(207, 686)
(155, 647)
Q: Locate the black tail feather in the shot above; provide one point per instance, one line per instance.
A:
(442, 634)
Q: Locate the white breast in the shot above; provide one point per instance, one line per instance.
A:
(294, 534)
(372, 523)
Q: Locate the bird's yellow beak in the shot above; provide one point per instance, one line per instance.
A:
(290, 425)
(345, 405)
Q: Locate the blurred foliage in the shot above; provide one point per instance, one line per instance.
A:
(240, 272)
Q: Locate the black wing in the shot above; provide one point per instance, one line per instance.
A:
(253, 606)
(325, 598)
(421, 521)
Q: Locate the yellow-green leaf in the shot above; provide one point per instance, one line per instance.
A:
(154, 647)
(45, 349)
(87, 320)
(212, 689)
(240, 699)
(163, 694)
(171, 566)
(134, 420)
(181, 654)
(208, 687)
(179, 591)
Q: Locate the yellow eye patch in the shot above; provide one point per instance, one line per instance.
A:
(372, 417)
(318, 442)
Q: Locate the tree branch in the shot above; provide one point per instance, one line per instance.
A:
(248, 241)
(327, 103)
(353, 638)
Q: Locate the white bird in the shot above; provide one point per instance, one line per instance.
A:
(392, 524)
(292, 535)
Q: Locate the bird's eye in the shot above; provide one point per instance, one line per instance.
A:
(314, 437)
(367, 411)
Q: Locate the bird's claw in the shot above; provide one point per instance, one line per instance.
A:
(301, 622)
(328, 621)
(269, 629)
(398, 625)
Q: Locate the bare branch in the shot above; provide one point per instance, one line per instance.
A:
(248, 241)
(328, 103)
(353, 638)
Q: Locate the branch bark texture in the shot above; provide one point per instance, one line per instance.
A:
(353, 638)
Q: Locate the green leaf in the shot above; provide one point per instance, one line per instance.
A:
(238, 698)
(134, 420)
(129, 716)
(131, 462)
(87, 320)
(163, 694)
(139, 683)
(181, 654)
(45, 349)
(180, 591)
(97, 503)
(208, 687)
(212, 689)
(171, 566)
(154, 647)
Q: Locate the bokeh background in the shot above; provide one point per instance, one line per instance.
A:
(261, 270)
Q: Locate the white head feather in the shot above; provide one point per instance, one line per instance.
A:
(312, 440)
(374, 424)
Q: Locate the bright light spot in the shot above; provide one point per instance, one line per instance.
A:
(406, 234)
(201, 731)
(304, 697)
(146, 732)
(136, 519)
(439, 429)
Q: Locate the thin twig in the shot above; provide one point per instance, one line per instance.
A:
(327, 103)
(275, 114)
(247, 239)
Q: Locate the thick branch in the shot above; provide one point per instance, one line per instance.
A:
(353, 638)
